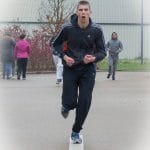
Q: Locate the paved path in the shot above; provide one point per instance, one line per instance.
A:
(119, 118)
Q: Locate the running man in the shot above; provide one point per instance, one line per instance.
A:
(85, 47)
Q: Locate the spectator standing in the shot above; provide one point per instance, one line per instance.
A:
(22, 51)
(7, 49)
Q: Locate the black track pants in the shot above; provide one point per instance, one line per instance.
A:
(22, 66)
(77, 92)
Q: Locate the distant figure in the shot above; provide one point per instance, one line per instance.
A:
(7, 49)
(22, 51)
(114, 47)
(58, 63)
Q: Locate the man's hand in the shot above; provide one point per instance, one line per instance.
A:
(88, 59)
(69, 61)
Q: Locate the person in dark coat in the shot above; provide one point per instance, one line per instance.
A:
(7, 54)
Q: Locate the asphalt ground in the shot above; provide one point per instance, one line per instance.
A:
(119, 118)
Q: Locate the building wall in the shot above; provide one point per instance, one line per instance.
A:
(130, 37)
(116, 11)
(103, 11)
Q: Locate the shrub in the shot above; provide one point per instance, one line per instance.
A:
(41, 55)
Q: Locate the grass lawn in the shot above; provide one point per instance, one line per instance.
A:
(127, 65)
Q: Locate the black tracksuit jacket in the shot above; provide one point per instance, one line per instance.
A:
(80, 42)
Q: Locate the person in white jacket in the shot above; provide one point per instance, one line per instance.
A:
(58, 63)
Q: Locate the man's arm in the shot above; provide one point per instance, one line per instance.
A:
(100, 52)
(120, 47)
(58, 42)
(15, 52)
(107, 46)
(58, 46)
(13, 42)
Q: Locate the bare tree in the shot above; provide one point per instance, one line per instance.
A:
(55, 12)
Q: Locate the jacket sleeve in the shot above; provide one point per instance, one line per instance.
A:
(58, 42)
(28, 48)
(100, 51)
(120, 47)
(13, 42)
(15, 52)
(107, 47)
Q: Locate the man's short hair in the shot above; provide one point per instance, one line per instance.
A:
(83, 2)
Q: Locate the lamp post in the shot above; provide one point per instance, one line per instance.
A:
(141, 31)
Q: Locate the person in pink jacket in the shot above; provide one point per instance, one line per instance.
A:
(21, 52)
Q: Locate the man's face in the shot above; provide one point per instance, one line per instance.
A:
(114, 36)
(83, 12)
